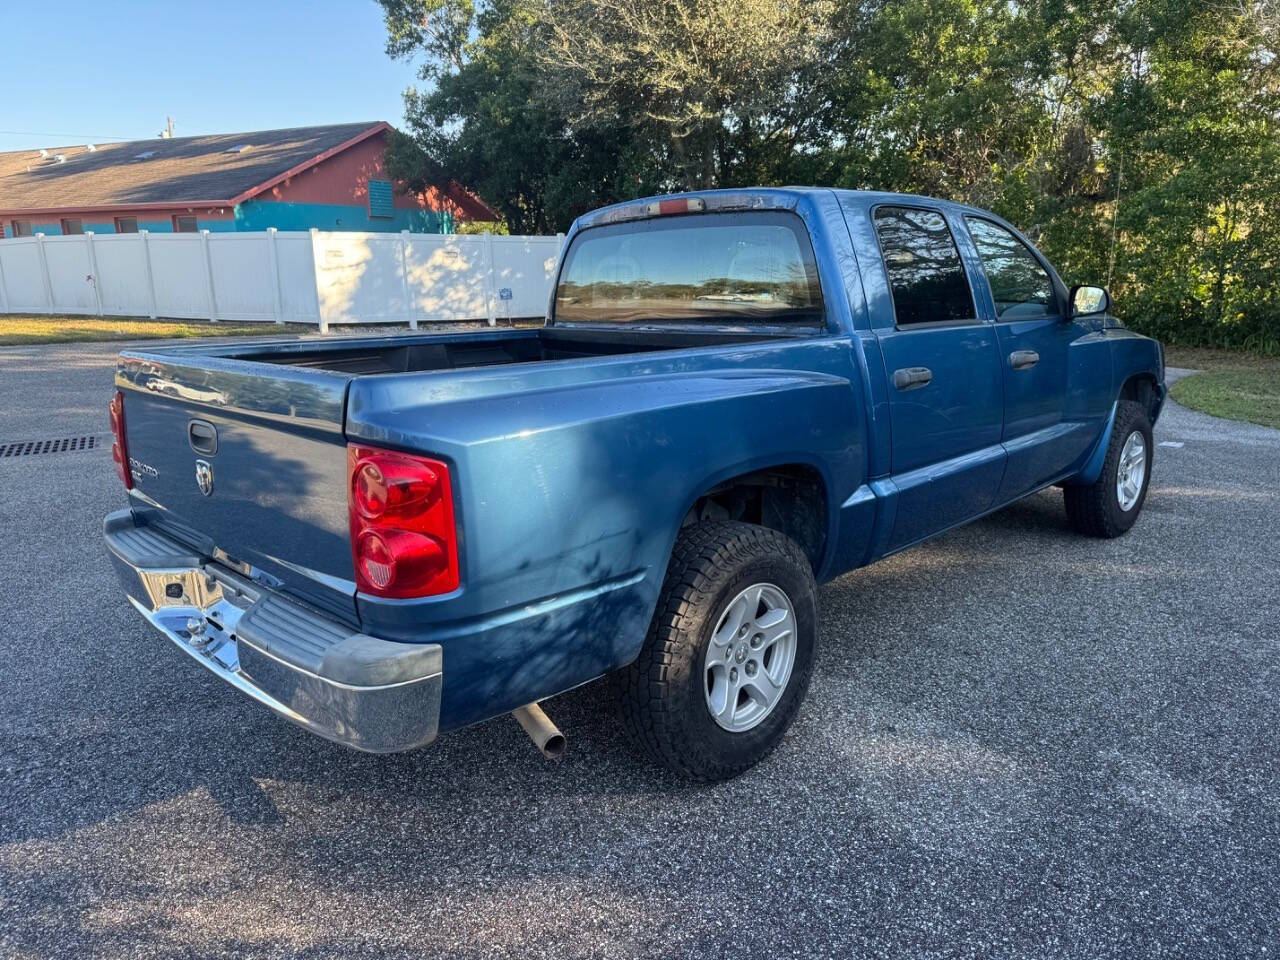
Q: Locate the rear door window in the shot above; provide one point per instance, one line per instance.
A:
(755, 267)
(1020, 286)
(926, 275)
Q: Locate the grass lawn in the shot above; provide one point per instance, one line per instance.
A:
(23, 329)
(1236, 386)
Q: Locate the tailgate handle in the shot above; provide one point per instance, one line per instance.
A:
(203, 437)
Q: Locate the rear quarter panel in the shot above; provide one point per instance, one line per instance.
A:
(571, 480)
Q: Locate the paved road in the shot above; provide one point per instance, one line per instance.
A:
(1018, 743)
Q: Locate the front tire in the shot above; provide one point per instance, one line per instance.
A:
(1110, 506)
(727, 659)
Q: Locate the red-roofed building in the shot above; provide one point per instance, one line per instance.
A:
(330, 178)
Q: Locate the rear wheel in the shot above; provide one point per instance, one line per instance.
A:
(1110, 506)
(727, 659)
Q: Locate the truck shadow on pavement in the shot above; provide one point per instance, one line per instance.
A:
(187, 731)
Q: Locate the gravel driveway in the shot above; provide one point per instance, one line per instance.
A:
(1018, 743)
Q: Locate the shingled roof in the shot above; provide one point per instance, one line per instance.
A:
(223, 169)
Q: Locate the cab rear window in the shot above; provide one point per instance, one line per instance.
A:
(754, 267)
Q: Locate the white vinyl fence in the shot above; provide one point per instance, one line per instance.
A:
(298, 277)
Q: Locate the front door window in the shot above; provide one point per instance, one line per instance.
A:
(1020, 286)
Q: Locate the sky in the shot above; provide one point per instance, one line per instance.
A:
(82, 72)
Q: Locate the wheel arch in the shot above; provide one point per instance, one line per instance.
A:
(793, 498)
(1143, 388)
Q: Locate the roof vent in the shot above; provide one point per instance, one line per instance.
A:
(91, 148)
(44, 152)
(59, 158)
(240, 148)
(144, 155)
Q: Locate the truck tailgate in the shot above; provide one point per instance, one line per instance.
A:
(270, 439)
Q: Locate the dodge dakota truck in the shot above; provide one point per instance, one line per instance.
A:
(735, 395)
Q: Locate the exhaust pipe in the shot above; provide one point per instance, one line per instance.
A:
(544, 734)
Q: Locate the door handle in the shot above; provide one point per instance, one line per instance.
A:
(910, 378)
(1023, 359)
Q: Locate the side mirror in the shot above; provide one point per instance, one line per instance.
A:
(1089, 301)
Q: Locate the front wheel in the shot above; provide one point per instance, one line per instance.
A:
(727, 658)
(1111, 505)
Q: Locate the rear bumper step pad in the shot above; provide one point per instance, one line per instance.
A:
(371, 694)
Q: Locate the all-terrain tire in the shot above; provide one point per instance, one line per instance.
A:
(662, 696)
(1096, 510)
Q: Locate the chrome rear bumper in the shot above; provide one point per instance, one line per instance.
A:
(360, 691)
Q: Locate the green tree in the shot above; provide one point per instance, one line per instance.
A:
(705, 82)
(483, 120)
(1195, 122)
(1136, 142)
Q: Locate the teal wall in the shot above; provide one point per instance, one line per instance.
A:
(109, 226)
(258, 215)
(55, 229)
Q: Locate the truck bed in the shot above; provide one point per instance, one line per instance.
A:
(409, 353)
(279, 412)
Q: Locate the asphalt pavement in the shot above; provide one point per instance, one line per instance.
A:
(1017, 743)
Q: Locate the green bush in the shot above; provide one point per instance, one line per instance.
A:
(1137, 143)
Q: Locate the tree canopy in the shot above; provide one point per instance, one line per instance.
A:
(1136, 142)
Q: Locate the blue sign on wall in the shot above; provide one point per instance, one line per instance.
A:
(504, 293)
(380, 199)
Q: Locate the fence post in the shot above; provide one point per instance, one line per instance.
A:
(93, 270)
(315, 281)
(4, 294)
(151, 280)
(44, 272)
(208, 276)
(404, 277)
(277, 303)
(490, 286)
(550, 275)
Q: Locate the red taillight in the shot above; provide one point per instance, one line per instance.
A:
(119, 450)
(384, 487)
(403, 538)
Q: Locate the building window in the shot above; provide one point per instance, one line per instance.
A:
(72, 226)
(21, 228)
(126, 224)
(381, 203)
(185, 224)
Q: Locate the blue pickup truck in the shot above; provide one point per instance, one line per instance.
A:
(735, 396)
